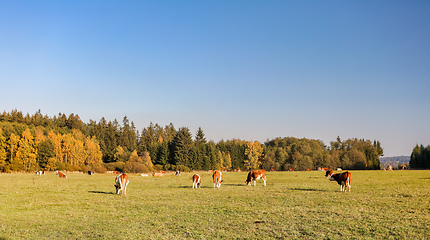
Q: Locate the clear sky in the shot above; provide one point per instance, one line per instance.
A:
(252, 70)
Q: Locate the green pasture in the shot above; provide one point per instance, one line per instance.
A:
(293, 205)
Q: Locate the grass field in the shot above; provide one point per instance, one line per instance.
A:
(293, 205)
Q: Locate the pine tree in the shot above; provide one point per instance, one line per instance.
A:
(182, 145)
(3, 153)
(45, 152)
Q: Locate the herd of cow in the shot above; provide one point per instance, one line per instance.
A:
(121, 180)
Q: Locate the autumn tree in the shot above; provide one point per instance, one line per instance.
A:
(57, 139)
(93, 154)
(12, 149)
(26, 153)
(120, 155)
(253, 153)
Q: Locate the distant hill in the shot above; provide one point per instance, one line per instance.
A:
(394, 161)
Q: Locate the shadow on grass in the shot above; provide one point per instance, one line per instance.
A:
(191, 186)
(235, 185)
(101, 192)
(308, 189)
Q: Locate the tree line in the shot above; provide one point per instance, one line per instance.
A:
(420, 157)
(33, 142)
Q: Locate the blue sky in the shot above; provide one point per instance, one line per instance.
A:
(252, 70)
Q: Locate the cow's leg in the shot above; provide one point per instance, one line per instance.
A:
(255, 182)
(264, 180)
(348, 182)
(125, 188)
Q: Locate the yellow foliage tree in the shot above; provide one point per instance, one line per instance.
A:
(120, 154)
(253, 153)
(134, 157)
(146, 159)
(50, 165)
(78, 152)
(12, 149)
(57, 139)
(26, 153)
(92, 151)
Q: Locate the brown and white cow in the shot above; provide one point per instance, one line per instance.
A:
(217, 178)
(344, 179)
(157, 174)
(256, 175)
(121, 182)
(196, 180)
(61, 174)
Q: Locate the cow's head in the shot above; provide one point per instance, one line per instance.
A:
(328, 173)
(118, 188)
(249, 179)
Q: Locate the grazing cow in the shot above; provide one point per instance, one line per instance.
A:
(121, 182)
(290, 169)
(217, 177)
(178, 173)
(344, 179)
(255, 175)
(272, 169)
(196, 180)
(90, 173)
(61, 174)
